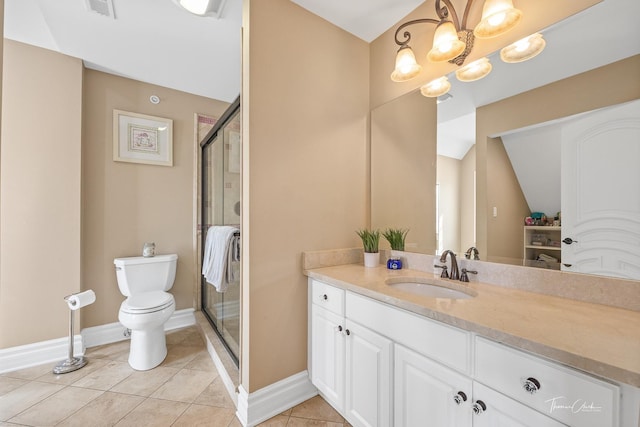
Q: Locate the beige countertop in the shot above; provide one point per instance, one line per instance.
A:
(598, 339)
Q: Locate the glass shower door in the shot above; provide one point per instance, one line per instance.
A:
(221, 163)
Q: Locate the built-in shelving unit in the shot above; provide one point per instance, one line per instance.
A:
(542, 246)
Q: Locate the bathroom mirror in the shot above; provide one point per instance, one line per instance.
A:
(472, 220)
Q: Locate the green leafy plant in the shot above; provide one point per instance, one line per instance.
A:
(370, 240)
(395, 237)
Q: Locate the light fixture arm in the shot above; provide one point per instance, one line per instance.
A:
(443, 13)
(407, 34)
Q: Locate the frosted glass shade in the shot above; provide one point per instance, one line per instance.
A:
(474, 70)
(406, 65)
(523, 49)
(498, 17)
(446, 44)
(436, 88)
(203, 7)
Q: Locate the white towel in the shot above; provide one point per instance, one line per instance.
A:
(216, 255)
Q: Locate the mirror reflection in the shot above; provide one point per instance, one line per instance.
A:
(480, 170)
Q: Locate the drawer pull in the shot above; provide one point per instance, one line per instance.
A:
(531, 385)
(324, 297)
(479, 407)
(459, 398)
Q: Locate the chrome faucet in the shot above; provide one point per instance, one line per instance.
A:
(454, 275)
(474, 251)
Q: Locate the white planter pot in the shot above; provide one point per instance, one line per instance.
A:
(371, 259)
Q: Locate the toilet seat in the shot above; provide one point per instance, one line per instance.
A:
(147, 302)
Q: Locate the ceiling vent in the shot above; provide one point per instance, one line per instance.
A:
(101, 7)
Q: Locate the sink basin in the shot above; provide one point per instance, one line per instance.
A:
(430, 288)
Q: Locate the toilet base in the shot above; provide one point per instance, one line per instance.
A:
(148, 348)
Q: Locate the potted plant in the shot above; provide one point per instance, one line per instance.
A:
(370, 242)
(395, 237)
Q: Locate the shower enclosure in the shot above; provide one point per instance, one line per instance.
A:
(220, 187)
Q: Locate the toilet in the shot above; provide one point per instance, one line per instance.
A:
(145, 282)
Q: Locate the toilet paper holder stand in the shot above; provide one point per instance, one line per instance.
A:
(71, 363)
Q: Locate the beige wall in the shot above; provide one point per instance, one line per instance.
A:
(506, 243)
(403, 169)
(305, 109)
(468, 200)
(574, 95)
(537, 15)
(40, 193)
(449, 174)
(127, 204)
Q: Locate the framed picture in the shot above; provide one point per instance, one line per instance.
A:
(138, 138)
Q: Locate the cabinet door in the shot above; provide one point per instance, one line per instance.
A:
(327, 355)
(368, 384)
(429, 394)
(497, 410)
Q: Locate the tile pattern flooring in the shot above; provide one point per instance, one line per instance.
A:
(185, 390)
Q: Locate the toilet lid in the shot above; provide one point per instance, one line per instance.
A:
(147, 301)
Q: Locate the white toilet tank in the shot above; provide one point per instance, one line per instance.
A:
(145, 274)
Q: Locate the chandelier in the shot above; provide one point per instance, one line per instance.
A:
(453, 42)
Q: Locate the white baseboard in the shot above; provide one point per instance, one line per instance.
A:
(113, 332)
(181, 319)
(51, 351)
(274, 399)
(39, 353)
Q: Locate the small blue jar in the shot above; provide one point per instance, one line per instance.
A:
(394, 264)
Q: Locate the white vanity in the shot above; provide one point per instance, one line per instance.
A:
(386, 358)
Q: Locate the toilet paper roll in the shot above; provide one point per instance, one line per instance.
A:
(81, 299)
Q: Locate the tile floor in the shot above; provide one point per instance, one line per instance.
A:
(185, 390)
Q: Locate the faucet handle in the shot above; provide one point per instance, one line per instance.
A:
(444, 274)
(464, 277)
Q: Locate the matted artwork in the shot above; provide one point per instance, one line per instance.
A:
(138, 138)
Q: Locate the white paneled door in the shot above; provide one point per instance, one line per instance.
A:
(601, 192)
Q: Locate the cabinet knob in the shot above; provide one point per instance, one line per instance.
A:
(531, 385)
(325, 297)
(339, 328)
(348, 332)
(479, 407)
(569, 240)
(459, 398)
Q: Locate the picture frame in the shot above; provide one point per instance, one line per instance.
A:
(140, 138)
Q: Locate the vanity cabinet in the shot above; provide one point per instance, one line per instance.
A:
(327, 359)
(368, 377)
(380, 365)
(492, 409)
(425, 390)
(564, 394)
(350, 364)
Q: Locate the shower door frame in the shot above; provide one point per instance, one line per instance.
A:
(210, 137)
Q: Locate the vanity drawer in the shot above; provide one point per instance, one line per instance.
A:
(564, 394)
(443, 343)
(327, 296)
